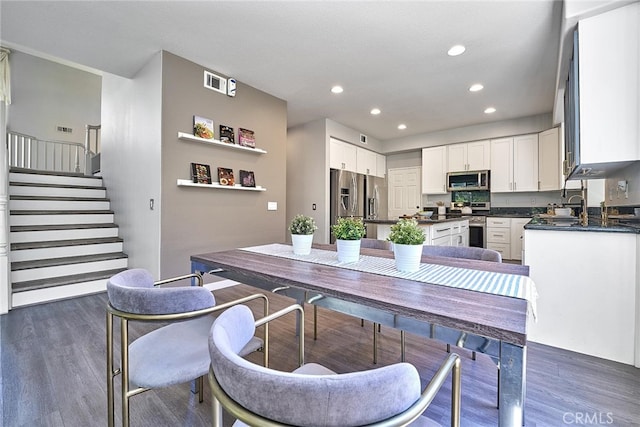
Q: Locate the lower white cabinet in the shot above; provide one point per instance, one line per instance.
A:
(517, 237)
(499, 236)
(505, 235)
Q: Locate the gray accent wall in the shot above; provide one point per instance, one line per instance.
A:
(198, 220)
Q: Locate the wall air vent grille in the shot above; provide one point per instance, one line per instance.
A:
(64, 129)
(363, 139)
(215, 82)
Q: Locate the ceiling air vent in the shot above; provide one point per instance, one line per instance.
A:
(363, 139)
(215, 82)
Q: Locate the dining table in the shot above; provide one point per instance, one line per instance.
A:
(479, 305)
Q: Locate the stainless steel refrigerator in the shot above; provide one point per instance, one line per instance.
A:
(347, 195)
(357, 195)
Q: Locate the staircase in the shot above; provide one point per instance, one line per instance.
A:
(64, 242)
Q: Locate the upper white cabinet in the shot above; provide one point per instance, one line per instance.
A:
(366, 162)
(434, 172)
(514, 164)
(549, 164)
(381, 165)
(470, 156)
(609, 87)
(342, 155)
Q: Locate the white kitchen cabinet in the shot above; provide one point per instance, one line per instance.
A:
(381, 165)
(342, 155)
(366, 162)
(460, 233)
(514, 164)
(549, 163)
(434, 172)
(440, 234)
(517, 236)
(609, 51)
(588, 285)
(469, 156)
(499, 236)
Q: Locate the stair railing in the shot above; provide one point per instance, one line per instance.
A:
(29, 152)
(92, 149)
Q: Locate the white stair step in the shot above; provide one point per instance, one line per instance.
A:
(51, 289)
(49, 233)
(64, 249)
(50, 269)
(53, 178)
(55, 191)
(48, 294)
(56, 203)
(60, 217)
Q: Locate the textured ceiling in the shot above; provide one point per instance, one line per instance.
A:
(386, 54)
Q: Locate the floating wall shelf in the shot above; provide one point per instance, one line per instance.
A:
(188, 137)
(189, 183)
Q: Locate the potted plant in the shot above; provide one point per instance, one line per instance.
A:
(348, 231)
(302, 228)
(407, 237)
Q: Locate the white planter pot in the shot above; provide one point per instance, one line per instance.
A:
(301, 243)
(348, 250)
(407, 257)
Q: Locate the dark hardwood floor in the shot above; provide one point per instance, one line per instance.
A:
(53, 371)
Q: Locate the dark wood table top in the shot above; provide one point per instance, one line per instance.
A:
(492, 316)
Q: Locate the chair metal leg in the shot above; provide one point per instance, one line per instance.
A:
(402, 346)
(201, 389)
(110, 373)
(124, 360)
(375, 345)
(315, 322)
(216, 412)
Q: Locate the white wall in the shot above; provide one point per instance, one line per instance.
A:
(131, 136)
(614, 197)
(46, 94)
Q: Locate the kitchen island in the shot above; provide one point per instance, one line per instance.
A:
(445, 230)
(588, 279)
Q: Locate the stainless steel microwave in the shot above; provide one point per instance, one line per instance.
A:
(468, 181)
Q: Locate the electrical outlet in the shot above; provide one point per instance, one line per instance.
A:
(533, 201)
(272, 206)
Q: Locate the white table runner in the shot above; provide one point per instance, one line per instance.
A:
(510, 285)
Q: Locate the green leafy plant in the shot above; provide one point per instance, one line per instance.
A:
(407, 232)
(302, 224)
(348, 228)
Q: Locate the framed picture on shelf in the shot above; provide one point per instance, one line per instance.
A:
(200, 174)
(225, 176)
(247, 178)
(202, 127)
(246, 138)
(226, 134)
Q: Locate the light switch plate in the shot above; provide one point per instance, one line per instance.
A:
(272, 206)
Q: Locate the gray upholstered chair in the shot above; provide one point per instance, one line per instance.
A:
(466, 252)
(168, 355)
(314, 395)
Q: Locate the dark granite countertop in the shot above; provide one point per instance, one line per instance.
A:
(435, 219)
(595, 225)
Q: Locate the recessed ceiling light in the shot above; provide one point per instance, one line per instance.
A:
(375, 111)
(490, 110)
(337, 89)
(456, 50)
(476, 87)
(402, 126)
